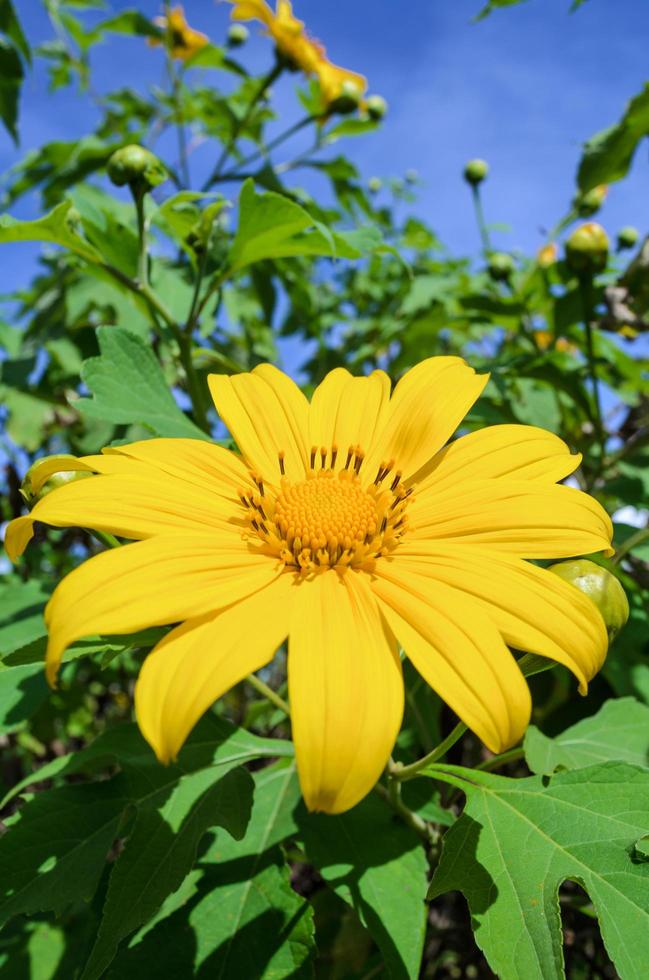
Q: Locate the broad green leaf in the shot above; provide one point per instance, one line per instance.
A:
(243, 917)
(161, 850)
(518, 840)
(131, 22)
(22, 691)
(128, 386)
(377, 865)
(272, 226)
(109, 225)
(618, 732)
(11, 77)
(21, 613)
(10, 25)
(607, 156)
(57, 227)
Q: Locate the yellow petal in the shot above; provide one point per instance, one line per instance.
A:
(521, 452)
(534, 610)
(132, 507)
(345, 689)
(252, 10)
(151, 583)
(347, 411)
(203, 658)
(43, 469)
(523, 519)
(426, 407)
(459, 652)
(266, 413)
(211, 468)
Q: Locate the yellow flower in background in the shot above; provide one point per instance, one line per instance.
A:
(185, 41)
(547, 255)
(348, 525)
(544, 339)
(301, 50)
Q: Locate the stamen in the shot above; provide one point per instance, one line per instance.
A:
(281, 456)
(334, 455)
(323, 456)
(397, 480)
(314, 450)
(350, 453)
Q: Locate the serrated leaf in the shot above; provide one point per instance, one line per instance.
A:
(518, 840)
(56, 226)
(243, 917)
(128, 386)
(607, 156)
(618, 732)
(377, 865)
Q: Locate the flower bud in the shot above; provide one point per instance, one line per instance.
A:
(601, 587)
(627, 237)
(500, 266)
(476, 171)
(238, 34)
(412, 176)
(136, 166)
(547, 255)
(375, 184)
(43, 476)
(376, 107)
(590, 202)
(587, 248)
(348, 100)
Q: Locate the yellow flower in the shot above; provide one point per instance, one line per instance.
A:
(544, 339)
(185, 41)
(350, 527)
(301, 50)
(547, 255)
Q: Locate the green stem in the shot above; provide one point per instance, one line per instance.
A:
(400, 773)
(269, 694)
(108, 539)
(479, 214)
(191, 316)
(501, 760)
(143, 250)
(258, 154)
(587, 311)
(392, 796)
(183, 162)
(266, 81)
(194, 386)
(638, 538)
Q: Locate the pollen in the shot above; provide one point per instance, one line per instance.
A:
(331, 518)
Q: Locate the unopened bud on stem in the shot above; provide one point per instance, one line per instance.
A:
(602, 587)
(476, 171)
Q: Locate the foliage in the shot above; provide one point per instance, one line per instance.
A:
(116, 866)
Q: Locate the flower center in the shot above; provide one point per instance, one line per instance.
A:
(329, 519)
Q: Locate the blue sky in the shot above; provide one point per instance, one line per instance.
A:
(523, 88)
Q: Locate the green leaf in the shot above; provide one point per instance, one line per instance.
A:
(242, 915)
(10, 25)
(618, 732)
(22, 691)
(128, 386)
(272, 226)
(376, 864)
(161, 850)
(11, 77)
(518, 840)
(607, 156)
(57, 227)
(21, 613)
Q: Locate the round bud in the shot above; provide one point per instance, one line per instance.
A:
(627, 237)
(590, 202)
(412, 176)
(43, 476)
(238, 34)
(500, 266)
(376, 107)
(348, 100)
(587, 248)
(136, 166)
(375, 184)
(476, 171)
(601, 587)
(547, 255)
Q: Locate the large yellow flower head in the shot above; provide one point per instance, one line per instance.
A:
(185, 42)
(300, 50)
(350, 526)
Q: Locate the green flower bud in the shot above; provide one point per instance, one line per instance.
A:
(136, 166)
(199, 235)
(587, 248)
(590, 202)
(476, 171)
(348, 101)
(501, 266)
(412, 176)
(600, 586)
(42, 476)
(375, 184)
(238, 34)
(376, 107)
(627, 237)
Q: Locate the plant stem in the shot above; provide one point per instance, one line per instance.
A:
(183, 162)
(258, 154)
(392, 796)
(501, 760)
(587, 312)
(194, 386)
(239, 126)
(269, 694)
(143, 256)
(638, 538)
(479, 214)
(401, 773)
(108, 539)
